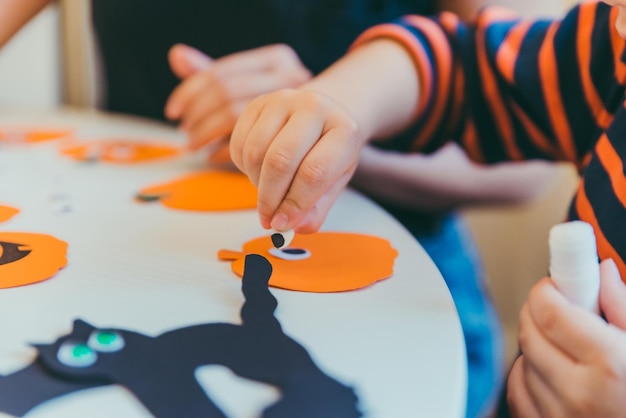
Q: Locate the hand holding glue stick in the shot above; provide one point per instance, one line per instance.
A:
(574, 266)
(573, 361)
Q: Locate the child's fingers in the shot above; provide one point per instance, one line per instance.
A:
(220, 152)
(216, 122)
(185, 92)
(185, 60)
(286, 155)
(242, 129)
(546, 399)
(546, 365)
(225, 92)
(314, 219)
(519, 399)
(203, 104)
(215, 125)
(583, 335)
(228, 96)
(295, 146)
(612, 294)
(333, 159)
(271, 120)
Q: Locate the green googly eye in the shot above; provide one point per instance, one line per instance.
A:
(75, 354)
(106, 341)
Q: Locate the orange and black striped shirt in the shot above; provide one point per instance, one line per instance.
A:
(509, 89)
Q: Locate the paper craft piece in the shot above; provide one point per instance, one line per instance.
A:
(322, 262)
(282, 239)
(32, 135)
(121, 151)
(159, 371)
(204, 191)
(25, 389)
(7, 212)
(27, 258)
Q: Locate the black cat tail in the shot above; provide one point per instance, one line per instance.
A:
(259, 306)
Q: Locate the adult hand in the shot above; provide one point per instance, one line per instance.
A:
(213, 93)
(573, 363)
(299, 148)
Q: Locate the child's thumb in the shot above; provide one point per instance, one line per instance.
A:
(185, 60)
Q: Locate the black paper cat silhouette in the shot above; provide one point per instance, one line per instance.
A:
(159, 371)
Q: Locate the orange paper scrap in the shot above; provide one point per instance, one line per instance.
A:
(121, 151)
(204, 191)
(337, 261)
(32, 135)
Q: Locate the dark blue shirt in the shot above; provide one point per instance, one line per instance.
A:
(134, 37)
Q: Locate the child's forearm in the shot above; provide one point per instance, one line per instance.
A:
(16, 13)
(377, 83)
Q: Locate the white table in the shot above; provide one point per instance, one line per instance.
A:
(145, 267)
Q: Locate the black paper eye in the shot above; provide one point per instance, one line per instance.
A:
(290, 253)
(76, 354)
(106, 341)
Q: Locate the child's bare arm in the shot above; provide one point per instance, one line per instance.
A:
(16, 13)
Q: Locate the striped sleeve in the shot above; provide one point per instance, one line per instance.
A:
(509, 89)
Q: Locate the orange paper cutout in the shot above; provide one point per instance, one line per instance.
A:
(204, 191)
(7, 212)
(120, 151)
(338, 261)
(33, 135)
(27, 258)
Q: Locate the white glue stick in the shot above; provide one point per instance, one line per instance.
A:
(574, 266)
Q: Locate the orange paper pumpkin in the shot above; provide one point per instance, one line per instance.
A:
(27, 258)
(321, 262)
(120, 151)
(204, 191)
(32, 135)
(7, 212)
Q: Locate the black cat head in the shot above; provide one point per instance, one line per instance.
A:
(87, 351)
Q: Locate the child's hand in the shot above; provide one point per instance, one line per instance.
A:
(213, 93)
(573, 363)
(300, 148)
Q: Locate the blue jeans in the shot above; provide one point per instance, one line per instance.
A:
(448, 242)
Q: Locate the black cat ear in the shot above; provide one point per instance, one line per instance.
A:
(82, 327)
